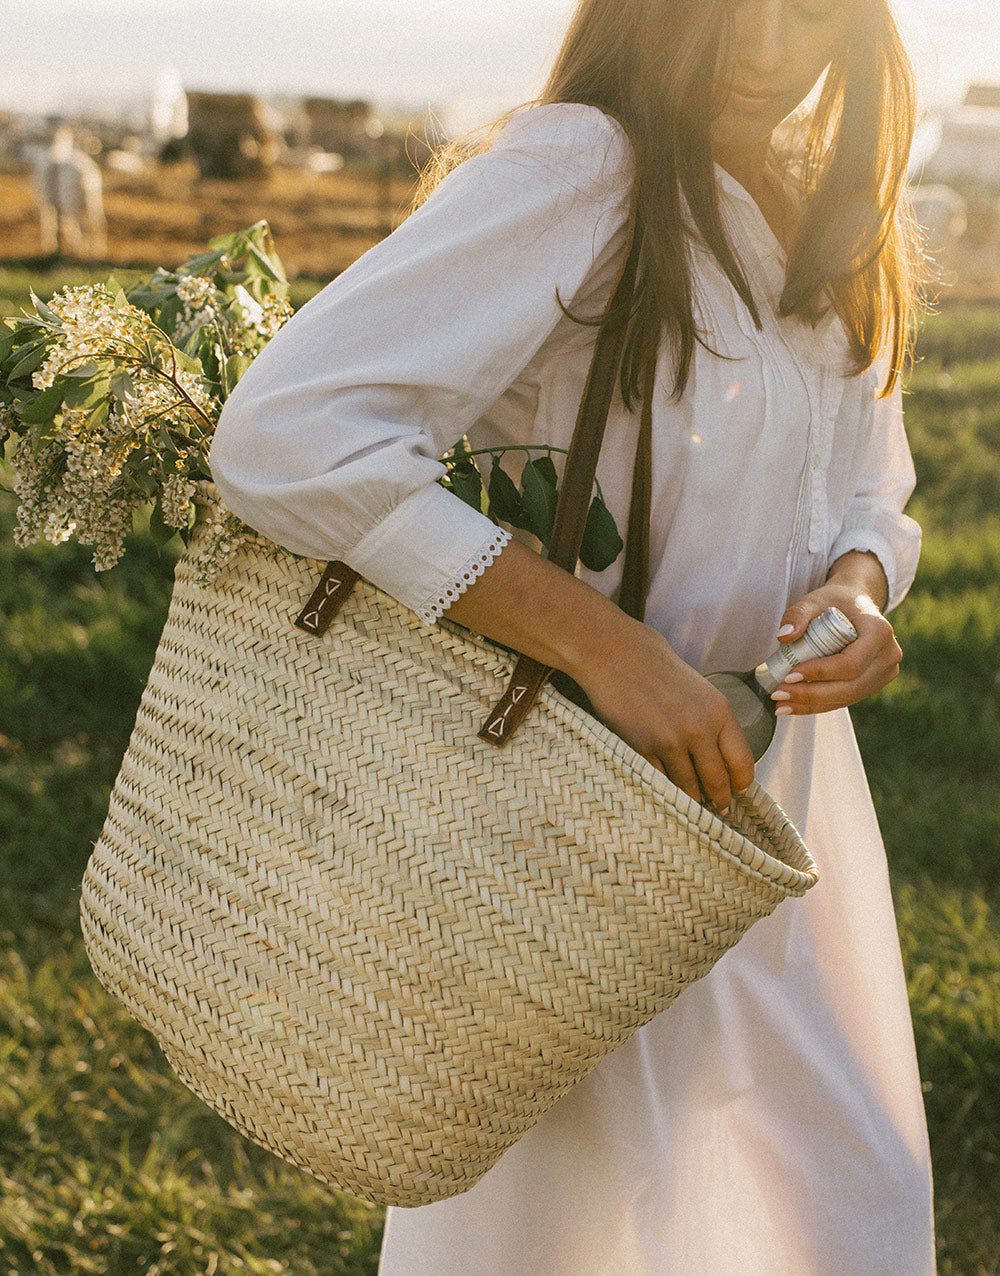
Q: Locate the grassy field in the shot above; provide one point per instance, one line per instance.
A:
(108, 1166)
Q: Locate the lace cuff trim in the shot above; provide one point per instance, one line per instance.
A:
(431, 611)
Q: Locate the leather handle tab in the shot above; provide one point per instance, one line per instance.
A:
(526, 683)
(328, 598)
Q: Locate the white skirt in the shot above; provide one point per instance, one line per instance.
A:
(770, 1123)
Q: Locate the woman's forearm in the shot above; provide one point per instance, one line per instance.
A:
(636, 682)
(536, 608)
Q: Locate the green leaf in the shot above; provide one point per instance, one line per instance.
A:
(197, 338)
(42, 433)
(188, 363)
(121, 385)
(98, 414)
(150, 296)
(79, 393)
(83, 371)
(31, 360)
(168, 313)
(40, 410)
(206, 264)
(233, 369)
(538, 488)
(601, 541)
(8, 342)
(161, 533)
(505, 500)
(266, 268)
(45, 311)
(226, 245)
(545, 467)
(466, 482)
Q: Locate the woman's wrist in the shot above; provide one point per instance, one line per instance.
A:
(592, 652)
(860, 573)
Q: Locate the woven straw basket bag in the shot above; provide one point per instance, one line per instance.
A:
(377, 944)
(374, 943)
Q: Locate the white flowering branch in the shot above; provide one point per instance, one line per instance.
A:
(109, 400)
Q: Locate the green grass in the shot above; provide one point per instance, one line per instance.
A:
(932, 748)
(107, 1165)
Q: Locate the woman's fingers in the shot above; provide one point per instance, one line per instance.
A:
(713, 775)
(680, 769)
(673, 717)
(712, 770)
(738, 755)
(860, 670)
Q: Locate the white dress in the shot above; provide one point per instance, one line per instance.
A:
(770, 1123)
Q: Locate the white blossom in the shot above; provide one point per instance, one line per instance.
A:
(224, 535)
(136, 421)
(176, 499)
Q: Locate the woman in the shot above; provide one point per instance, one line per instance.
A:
(770, 1123)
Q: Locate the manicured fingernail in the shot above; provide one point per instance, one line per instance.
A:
(785, 630)
(795, 677)
(783, 712)
(781, 695)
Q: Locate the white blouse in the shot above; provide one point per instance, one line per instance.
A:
(770, 1123)
(772, 465)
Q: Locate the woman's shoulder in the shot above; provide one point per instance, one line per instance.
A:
(564, 123)
(582, 142)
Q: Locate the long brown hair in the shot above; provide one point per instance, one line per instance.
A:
(653, 65)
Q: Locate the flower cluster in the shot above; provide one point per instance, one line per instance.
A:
(108, 400)
(242, 323)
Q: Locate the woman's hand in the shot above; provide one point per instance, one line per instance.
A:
(860, 670)
(670, 715)
(637, 683)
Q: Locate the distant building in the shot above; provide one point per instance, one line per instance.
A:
(983, 97)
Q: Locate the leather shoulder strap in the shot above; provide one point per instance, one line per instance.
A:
(530, 676)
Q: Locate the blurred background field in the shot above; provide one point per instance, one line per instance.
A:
(108, 1166)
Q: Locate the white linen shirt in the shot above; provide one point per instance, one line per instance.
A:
(773, 463)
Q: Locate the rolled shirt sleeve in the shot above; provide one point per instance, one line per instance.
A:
(874, 520)
(330, 444)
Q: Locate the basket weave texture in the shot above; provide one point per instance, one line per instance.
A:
(375, 944)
